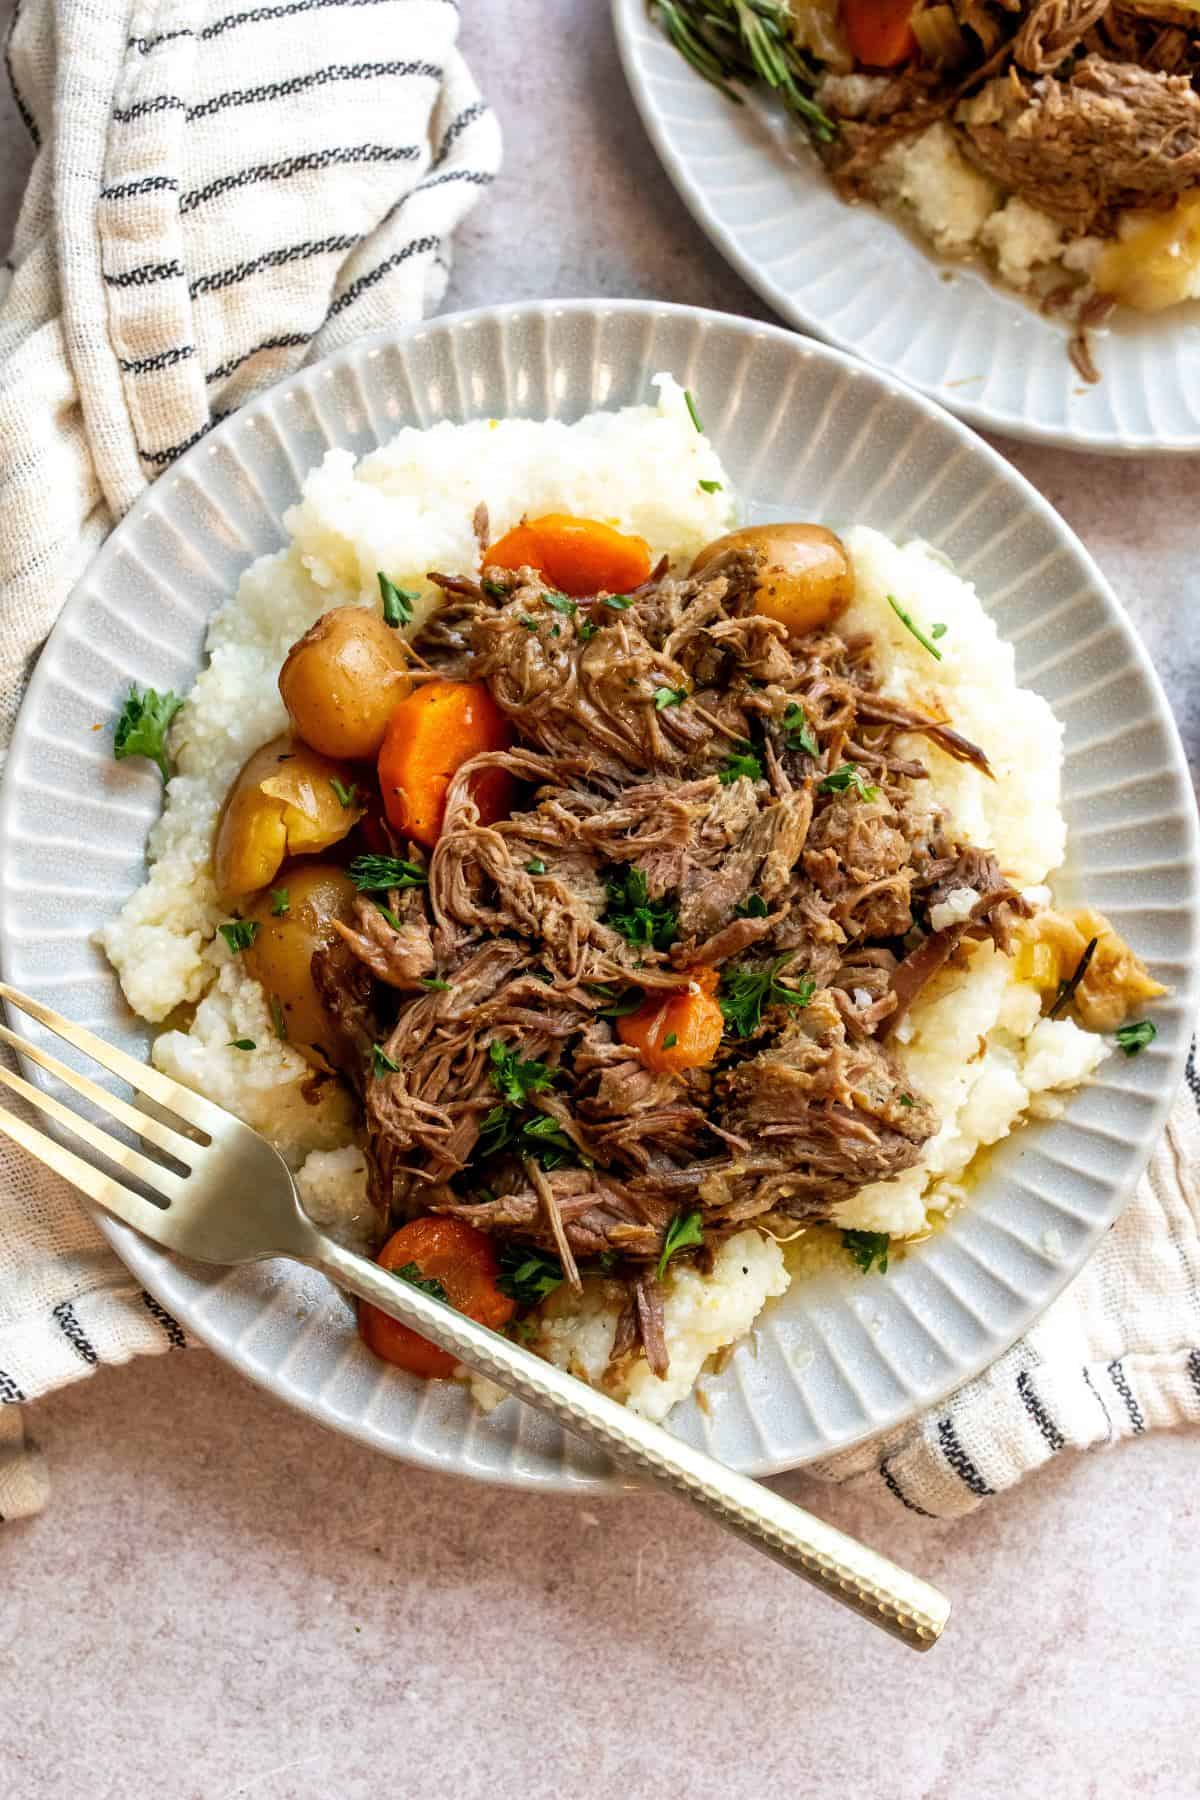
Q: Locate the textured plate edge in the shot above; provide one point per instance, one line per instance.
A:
(982, 418)
(146, 1261)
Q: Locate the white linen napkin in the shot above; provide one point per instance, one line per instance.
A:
(220, 195)
(221, 192)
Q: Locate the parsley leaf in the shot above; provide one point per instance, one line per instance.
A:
(560, 603)
(1135, 1035)
(587, 631)
(638, 918)
(691, 406)
(277, 1019)
(906, 619)
(347, 796)
(239, 934)
(743, 761)
(513, 1079)
(746, 991)
(380, 874)
(752, 907)
(848, 776)
(535, 866)
(710, 487)
(528, 623)
(798, 734)
(397, 601)
(435, 984)
(618, 602)
(545, 1138)
(141, 728)
(428, 1284)
(670, 1041)
(619, 1007)
(242, 1044)
(279, 902)
(668, 696)
(938, 631)
(866, 1248)
(495, 590)
(906, 1100)
(381, 1063)
(684, 1229)
(527, 1275)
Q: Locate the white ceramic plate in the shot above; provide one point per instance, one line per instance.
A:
(805, 432)
(856, 278)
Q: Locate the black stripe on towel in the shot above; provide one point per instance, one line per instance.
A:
(125, 115)
(65, 1318)
(289, 341)
(10, 1393)
(27, 118)
(960, 1462)
(259, 14)
(145, 45)
(417, 247)
(893, 1487)
(1193, 1369)
(1037, 1412)
(159, 458)
(294, 165)
(299, 84)
(149, 184)
(166, 359)
(457, 126)
(170, 1325)
(145, 274)
(270, 259)
(1116, 1375)
(1190, 1074)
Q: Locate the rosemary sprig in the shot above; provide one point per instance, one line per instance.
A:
(745, 40)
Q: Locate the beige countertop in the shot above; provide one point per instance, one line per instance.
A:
(224, 1600)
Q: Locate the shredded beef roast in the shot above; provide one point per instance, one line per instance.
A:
(477, 1016)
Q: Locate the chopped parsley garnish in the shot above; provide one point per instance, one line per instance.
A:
(242, 1044)
(798, 734)
(743, 761)
(668, 696)
(691, 406)
(619, 1006)
(347, 795)
(848, 776)
(279, 902)
(711, 487)
(1066, 989)
(867, 1248)
(906, 619)
(495, 590)
(513, 1079)
(752, 907)
(527, 1275)
(746, 991)
(239, 934)
(435, 984)
(528, 623)
(535, 866)
(618, 602)
(277, 1019)
(938, 631)
(1136, 1035)
(906, 1100)
(381, 1063)
(428, 1284)
(587, 631)
(670, 1041)
(141, 728)
(638, 918)
(540, 1136)
(397, 601)
(684, 1229)
(560, 603)
(380, 874)
(386, 912)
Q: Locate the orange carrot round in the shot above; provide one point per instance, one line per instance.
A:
(678, 1031)
(878, 32)
(576, 556)
(432, 732)
(463, 1261)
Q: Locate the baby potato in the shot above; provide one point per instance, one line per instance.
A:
(341, 681)
(281, 954)
(806, 578)
(284, 803)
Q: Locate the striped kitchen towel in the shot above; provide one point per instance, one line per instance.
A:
(220, 192)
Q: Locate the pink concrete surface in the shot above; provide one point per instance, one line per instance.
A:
(223, 1600)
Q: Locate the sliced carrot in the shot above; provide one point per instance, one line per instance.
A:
(433, 731)
(878, 32)
(577, 556)
(463, 1261)
(678, 1031)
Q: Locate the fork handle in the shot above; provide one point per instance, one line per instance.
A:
(901, 1604)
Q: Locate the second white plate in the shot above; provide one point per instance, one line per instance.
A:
(858, 279)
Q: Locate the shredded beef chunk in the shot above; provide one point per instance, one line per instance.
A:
(695, 793)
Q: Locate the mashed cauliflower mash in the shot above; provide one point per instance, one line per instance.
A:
(975, 1041)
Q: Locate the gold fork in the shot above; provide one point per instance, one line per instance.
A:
(224, 1195)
